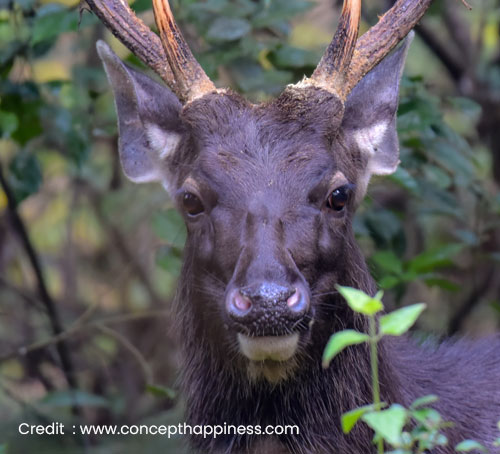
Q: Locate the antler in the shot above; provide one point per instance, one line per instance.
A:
(377, 42)
(346, 61)
(191, 79)
(334, 64)
(118, 18)
(169, 56)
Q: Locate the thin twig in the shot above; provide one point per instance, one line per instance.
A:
(453, 65)
(469, 7)
(52, 312)
(23, 294)
(77, 326)
(146, 369)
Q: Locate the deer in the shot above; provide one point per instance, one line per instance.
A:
(268, 193)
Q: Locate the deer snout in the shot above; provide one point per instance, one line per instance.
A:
(268, 309)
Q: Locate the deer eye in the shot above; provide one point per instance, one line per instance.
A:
(192, 204)
(338, 199)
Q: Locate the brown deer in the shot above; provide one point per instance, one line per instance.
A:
(268, 193)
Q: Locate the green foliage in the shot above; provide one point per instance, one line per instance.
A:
(339, 341)
(470, 446)
(415, 430)
(350, 418)
(394, 324)
(399, 322)
(387, 424)
(442, 180)
(250, 39)
(69, 398)
(25, 175)
(161, 391)
(110, 251)
(360, 302)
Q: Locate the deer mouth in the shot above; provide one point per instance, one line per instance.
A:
(268, 348)
(272, 358)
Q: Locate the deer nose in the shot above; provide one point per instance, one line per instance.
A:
(266, 301)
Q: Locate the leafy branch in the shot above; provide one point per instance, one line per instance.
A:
(426, 424)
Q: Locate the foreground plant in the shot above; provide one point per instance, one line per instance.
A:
(416, 429)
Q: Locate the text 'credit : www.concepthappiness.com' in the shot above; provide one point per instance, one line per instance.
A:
(170, 430)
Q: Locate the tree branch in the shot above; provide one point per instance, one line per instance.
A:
(452, 65)
(45, 298)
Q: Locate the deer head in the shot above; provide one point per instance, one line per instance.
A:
(267, 191)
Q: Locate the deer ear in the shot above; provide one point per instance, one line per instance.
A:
(370, 113)
(148, 120)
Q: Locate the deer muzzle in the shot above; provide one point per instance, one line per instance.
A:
(268, 318)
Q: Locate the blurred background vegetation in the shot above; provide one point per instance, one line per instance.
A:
(88, 262)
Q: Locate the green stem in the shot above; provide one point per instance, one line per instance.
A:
(374, 367)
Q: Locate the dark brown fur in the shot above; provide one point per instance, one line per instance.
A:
(263, 173)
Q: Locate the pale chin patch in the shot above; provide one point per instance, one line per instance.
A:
(271, 357)
(275, 348)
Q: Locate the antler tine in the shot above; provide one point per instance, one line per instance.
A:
(377, 42)
(333, 66)
(117, 16)
(192, 82)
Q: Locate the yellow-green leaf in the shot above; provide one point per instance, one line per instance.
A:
(360, 302)
(350, 418)
(388, 423)
(398, 322)
(341, 340)
(470, 445)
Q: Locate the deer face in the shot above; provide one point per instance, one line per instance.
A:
(267, 192)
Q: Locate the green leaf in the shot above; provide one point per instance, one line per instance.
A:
(70, 397)
(3, 449)
(341, 340)
(470, 445)
(398, 322)
(388, 262)
(359, 301)
(434, 258)
(388, 423)
(228, 29)
(350, 418)
(388, 282)
(51, 21)
(402, 177)
(293, 57)
(440, 282)
(161, 391)
(169, 259)
(424, 401)
(170, 227)
(469, 107)
(427, 416)
(8, 124)
(445, 153)
(250, 76)
(279, 10)
(384, 226)
(25, 175)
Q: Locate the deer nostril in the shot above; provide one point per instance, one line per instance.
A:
(242, 303)
(298, 302)
(238, 305)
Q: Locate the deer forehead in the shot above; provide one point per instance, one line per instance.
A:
(281, 167)
(236, 141)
